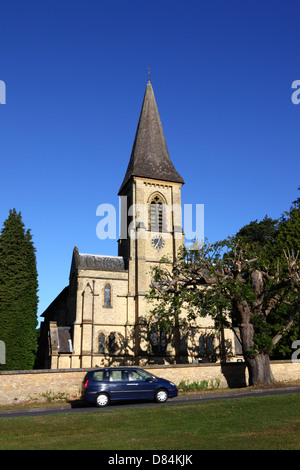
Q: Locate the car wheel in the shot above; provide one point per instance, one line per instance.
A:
(102, 400)
(161, 395)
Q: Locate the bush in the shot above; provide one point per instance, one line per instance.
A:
(212, 384)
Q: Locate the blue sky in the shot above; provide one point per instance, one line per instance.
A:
(75, 75)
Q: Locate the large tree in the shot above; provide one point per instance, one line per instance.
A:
(286, 240)
(18, 294)
(273, 238)
(251, 284)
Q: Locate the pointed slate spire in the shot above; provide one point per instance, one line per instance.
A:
(150, 157)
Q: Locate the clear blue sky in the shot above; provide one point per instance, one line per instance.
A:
(75, 75)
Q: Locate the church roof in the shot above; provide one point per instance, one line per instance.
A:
(86, 261)
(150, 157)
(101, 262)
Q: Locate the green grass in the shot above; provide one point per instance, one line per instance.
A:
(247, 423)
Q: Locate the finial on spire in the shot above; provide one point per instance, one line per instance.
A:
(148, 74)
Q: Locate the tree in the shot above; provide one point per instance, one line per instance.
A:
(273, 238)
(236, 284)
(289, 231)
(261, 234)
(18, 294)
(288, 238)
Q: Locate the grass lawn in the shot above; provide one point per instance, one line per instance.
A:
(247, 423)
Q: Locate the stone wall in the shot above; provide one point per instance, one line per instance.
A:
(21, 386)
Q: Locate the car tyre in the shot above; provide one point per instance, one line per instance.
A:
(102, 400)
(161, 395)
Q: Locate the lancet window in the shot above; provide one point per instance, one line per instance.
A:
(107, 295)
(156, 213)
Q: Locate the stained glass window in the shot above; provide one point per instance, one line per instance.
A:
(107, 295)
(111, 343)
(101, 343)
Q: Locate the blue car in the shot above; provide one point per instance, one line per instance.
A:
(103, 386)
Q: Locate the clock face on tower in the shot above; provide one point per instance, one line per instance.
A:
(157, 242)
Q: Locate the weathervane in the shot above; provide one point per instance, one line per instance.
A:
(148, 74)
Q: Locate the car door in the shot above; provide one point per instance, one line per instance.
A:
(142, 388)
(118, 384)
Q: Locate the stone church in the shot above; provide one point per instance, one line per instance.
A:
(102, 316)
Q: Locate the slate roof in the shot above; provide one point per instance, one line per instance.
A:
(150, 157)
(64, 339)
(86, 261)
(57, 303)
(101, 262)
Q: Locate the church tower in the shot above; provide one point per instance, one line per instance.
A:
(151, 221)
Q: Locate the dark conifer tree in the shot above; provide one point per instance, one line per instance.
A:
(18, 294)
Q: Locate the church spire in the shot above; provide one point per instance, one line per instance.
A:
(150, 157)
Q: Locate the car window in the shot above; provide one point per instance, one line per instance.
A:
(136, 375)
(100, 376)
(119, 375)
(140, 375)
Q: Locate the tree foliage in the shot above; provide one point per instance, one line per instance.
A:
(18, 294)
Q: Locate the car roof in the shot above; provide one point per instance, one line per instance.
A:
(116, 368)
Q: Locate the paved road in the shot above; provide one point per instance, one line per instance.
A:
(184, 399)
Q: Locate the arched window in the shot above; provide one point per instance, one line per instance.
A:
(206, 345)
(210, 345)
(154, 341)
(156, 213)
(107, 295)
(111, 343)
(202, 348)
(101, 343)
(159, 341)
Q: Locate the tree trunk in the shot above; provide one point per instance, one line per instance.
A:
(177, 339)
(259, 369)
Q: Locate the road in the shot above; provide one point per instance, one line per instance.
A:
(181, 399)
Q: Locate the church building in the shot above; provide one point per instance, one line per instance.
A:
(102, 316)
